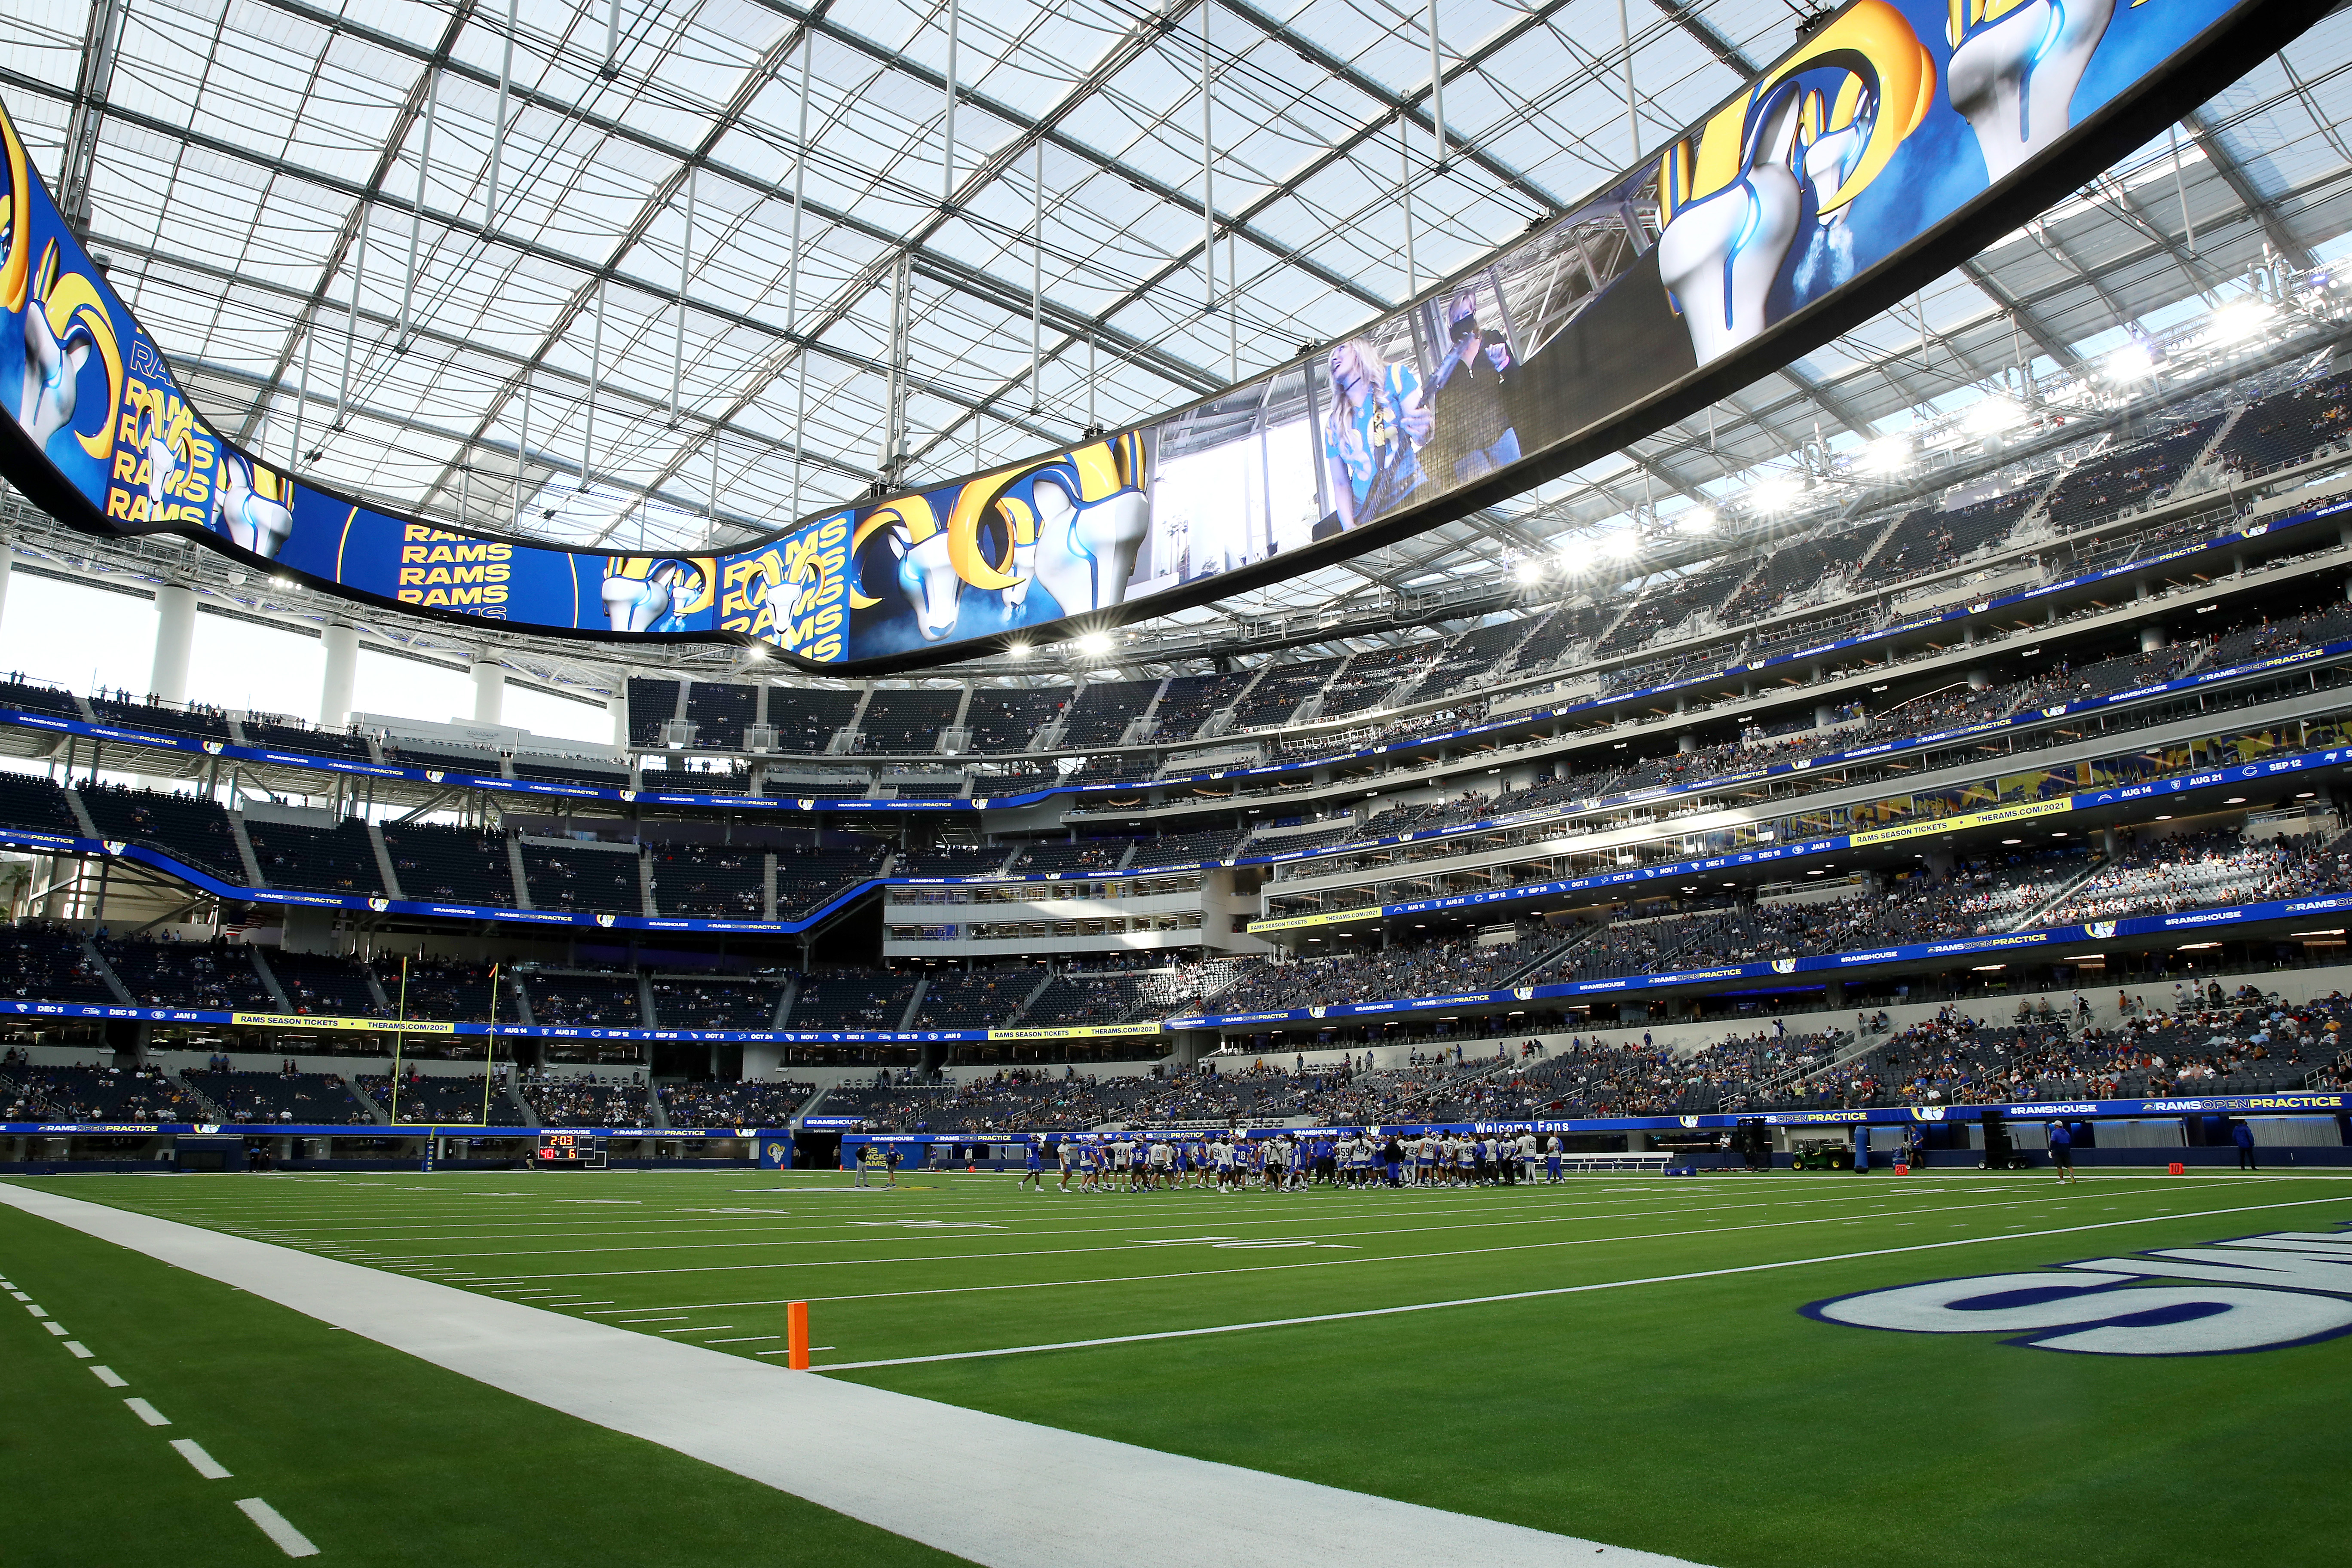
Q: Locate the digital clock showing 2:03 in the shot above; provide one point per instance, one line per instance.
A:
(561, 1148)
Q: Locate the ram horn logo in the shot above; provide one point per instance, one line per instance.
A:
(1831, 117)
(1524, 993)
(379, 905)
(2057, 713)
(1784, 966)
(2102, 929)
(628, 794)
(808, 805)
(2015, 68)
(215, 748)
(115, 845)
(1929, 1112)
(1315, 1011)
(433, 775)
(1688, 1121)
(2248, 1293)
(606, 919)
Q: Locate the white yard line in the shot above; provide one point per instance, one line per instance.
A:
(212, 1469)
(290, 1540)
(997, 1491)
(1556, 1290)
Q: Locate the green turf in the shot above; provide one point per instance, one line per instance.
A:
(376, 1457)
(1703, 1417)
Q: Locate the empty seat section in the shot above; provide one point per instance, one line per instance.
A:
(446, 992)
(699, 1002)
(1180, 848)
(1472, 654)
(1371, 676)
(1189, 702)
(805, 717)
(304, 739)
(598, 878)
(1103, 710)
(610, 1001)
(975, 999)
(318, 1098)
(478, 761)
(1087, 855)
(807, 879)
(719, 883)
(906, 720)
(189, 975)
(27, 800)
(2288, 426)
(338, 859)
(327, 985)
(194, 719)
(1006, 718)
(32, 697)
(193, 831)
(456, 863)
(2127, 477)
(721, 711)
(652, 704)
(571, 770)
(1275, 697)
(852, 1000)
(444, 1098)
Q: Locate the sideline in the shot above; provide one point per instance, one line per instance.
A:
(1007, 1493)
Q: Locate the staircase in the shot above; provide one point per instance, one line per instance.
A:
(269, 980)
(80, 812)
(1021, 1006)
(106, 971)
(383, 863)
(2032, 917)
(515, 869)
(915, 1004)
(245, 855)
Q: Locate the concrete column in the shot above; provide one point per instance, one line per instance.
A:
(1685, 742)
(175, 638)
(2111, 842)
(8, 564)
(343, 643)
(2151, 639)
(1979, 679)
(490, 692)
(616, 707)
(1824, 715)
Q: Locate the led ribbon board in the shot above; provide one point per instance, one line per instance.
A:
(1896, 138)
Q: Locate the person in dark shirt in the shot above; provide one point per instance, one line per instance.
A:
(2241, 1133)
(2061, 1150)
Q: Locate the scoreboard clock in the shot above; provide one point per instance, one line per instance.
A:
(576, 1149)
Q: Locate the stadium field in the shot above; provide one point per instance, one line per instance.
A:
(1626, 1359)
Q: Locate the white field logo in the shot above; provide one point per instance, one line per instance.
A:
(2253, 1293)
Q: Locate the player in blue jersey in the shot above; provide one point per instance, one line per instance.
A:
(1036, 1151)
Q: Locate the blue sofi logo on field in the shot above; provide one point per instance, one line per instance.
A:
(2252, 1293)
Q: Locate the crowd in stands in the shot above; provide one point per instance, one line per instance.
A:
(752, 1104)
(144, 1094)
(569, 1100)
(318, 1098)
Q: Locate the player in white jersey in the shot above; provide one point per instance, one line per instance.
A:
(1526, 1156)
(1067, 1151)
(1220, 1157)
(1551, 1158)
(1161, 1160)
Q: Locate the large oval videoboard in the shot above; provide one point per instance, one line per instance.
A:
(1891, 143)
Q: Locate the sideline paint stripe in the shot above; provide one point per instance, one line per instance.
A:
(212, 1469)
(108, 1377)
(1556, 1290)
(148, 1413)
(290, 1540)
(1006, 1493)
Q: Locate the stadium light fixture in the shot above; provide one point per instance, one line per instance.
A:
(1528, 571)
(1094, 645)
(1017, 649)
(1624, 544)
(1992, 415)
(2130, 362)
(2240, 320)
(1698, 519)
(1775, 493)
(1888, 455)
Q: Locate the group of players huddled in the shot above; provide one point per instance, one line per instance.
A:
(1230, 1162)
